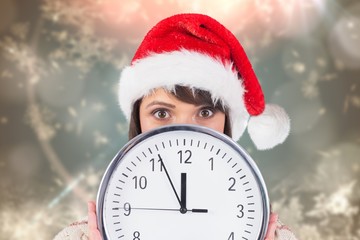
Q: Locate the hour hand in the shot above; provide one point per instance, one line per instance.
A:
(183, 195)
(183, 208)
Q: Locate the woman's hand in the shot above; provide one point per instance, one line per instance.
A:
(270, 234)
(94, 232)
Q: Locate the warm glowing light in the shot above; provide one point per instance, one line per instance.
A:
(345, 42)
(290, 18)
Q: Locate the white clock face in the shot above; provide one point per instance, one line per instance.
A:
(182, 182)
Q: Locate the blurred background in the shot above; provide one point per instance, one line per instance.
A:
(60, 124)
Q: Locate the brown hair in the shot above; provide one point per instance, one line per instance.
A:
(187, 95)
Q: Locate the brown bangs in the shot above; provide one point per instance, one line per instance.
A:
(185, 94)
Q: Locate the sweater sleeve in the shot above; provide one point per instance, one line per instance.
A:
(283, 232)
(75, 231)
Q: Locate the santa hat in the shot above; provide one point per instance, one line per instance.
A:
(196, 51)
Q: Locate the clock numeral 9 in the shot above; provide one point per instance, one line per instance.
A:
(140, 182)
(232, 184)
(127, 209)
(153, 164)
(185, 157)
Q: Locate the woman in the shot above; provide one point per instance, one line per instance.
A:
(190, 69)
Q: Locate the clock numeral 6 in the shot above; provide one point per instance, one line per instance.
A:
(185, 157)
(140, 182)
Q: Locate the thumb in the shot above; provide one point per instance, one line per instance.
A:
(93, 228)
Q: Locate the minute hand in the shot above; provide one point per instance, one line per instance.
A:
(171, 183)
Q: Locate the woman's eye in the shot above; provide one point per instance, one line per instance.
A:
(206, 113)
(161, 114)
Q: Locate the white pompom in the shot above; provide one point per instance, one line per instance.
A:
(270, 128)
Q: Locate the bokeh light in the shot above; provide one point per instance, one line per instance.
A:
(291, 18)
(345, 39)
(299, 108)
(305, 61)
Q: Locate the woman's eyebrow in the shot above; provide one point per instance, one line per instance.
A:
(160, 103)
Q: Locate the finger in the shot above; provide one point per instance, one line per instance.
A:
(94, 233)
(270, 234)
(92, 215)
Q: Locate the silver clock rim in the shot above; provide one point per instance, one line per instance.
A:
(181, 127)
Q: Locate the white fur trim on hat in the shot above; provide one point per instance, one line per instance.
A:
(270, 128)
(186, 68)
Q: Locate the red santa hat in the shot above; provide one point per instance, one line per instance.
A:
(196, 51)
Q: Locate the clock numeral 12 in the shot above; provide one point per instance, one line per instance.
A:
(186, 155)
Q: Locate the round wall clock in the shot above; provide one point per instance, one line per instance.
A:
(182, 182)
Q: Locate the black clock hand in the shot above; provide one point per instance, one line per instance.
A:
(195, 210)
(182, 202)
(183, 193)
(157, 209)
(168, 177)
(199, 210)
(183, 208)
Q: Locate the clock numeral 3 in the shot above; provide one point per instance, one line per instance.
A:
(241, 210)
(185, 157)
